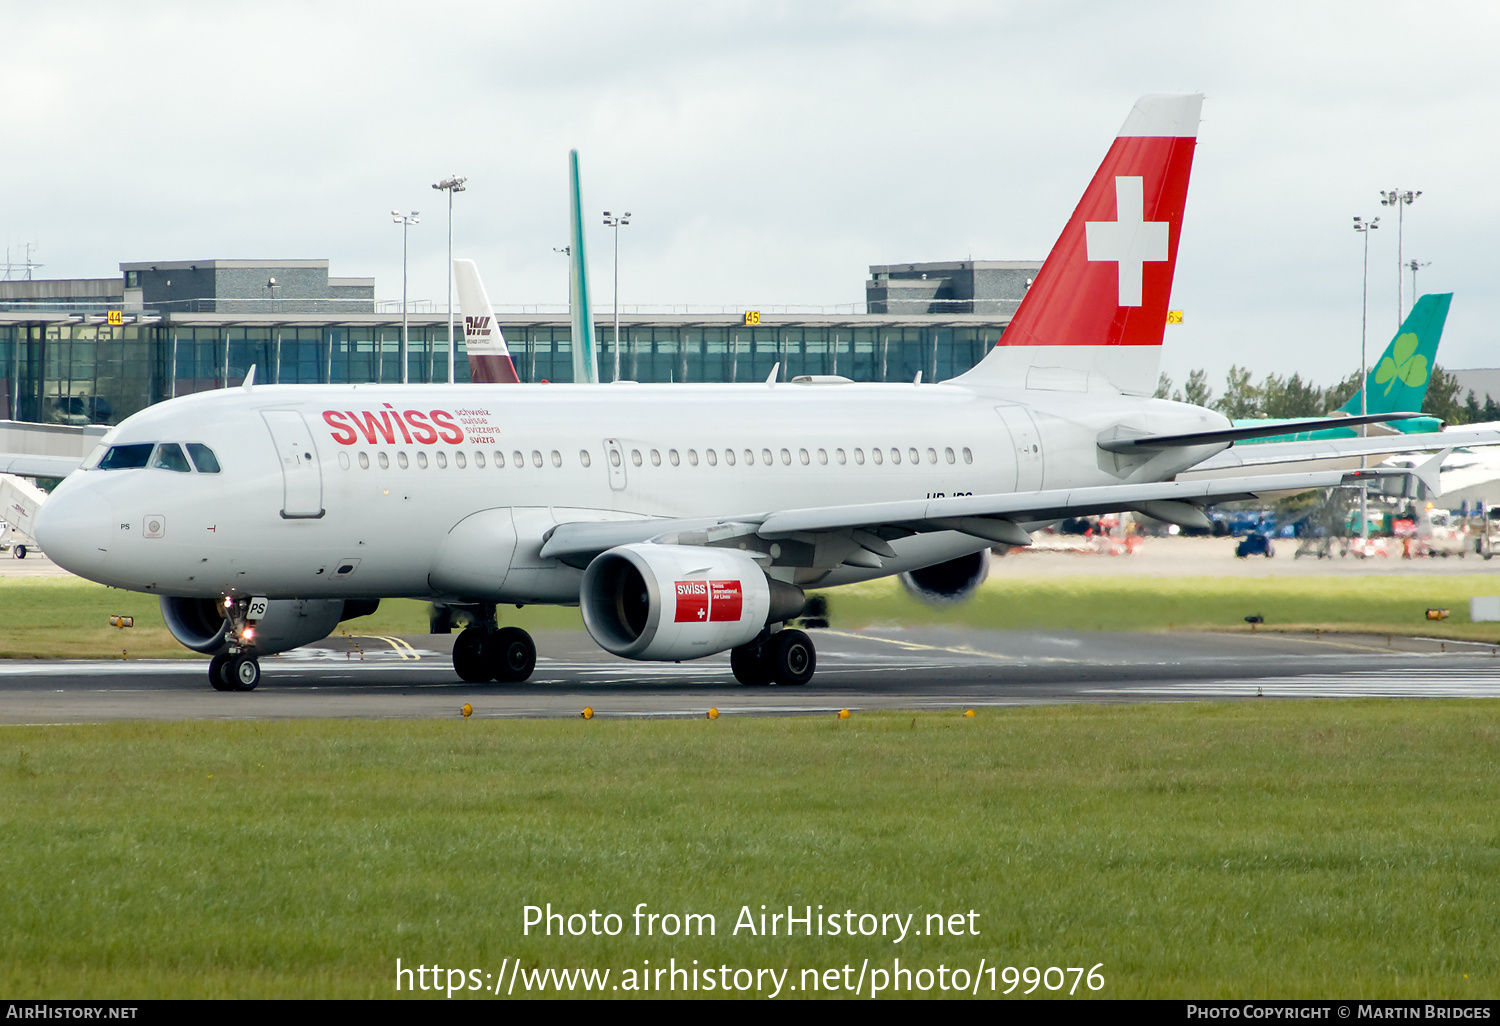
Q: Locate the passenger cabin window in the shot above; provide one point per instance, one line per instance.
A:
(859, 457)
(655, 458)
(518, 459)
(713, 458)
(169, 457)
(948, 454)
(583, 457)
(203, 458)
(442, 460)
(421, 461)
(479, 460)
(384, 461)
(692, 457)
(402, 461)
(968, 456)
(765, 456)
(458, 460)
(673, 457)
(127, 457)
(556, 458)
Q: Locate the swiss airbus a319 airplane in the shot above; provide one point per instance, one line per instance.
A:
(685, 520)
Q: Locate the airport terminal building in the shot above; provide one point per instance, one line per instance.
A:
(79, 351)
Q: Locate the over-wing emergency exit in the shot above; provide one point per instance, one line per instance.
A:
(685, 520)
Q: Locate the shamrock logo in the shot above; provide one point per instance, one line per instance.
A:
(1404, 364)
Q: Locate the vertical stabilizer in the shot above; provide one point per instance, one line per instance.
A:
(1397, 382)
(585, 356)
(1094, 317)
(489, 358)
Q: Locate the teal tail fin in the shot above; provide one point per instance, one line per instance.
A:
(585, 356)
(1397, 383)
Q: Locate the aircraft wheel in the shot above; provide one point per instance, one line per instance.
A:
(19, 551)
(511, 655)
(216, 675)
(469, 656)
(749, 665)
(791, 657)
(243, 672)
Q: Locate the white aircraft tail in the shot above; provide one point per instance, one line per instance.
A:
(19, 503)
(489, 358)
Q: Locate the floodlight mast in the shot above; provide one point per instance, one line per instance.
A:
(450, 185)
(615, 221)
(405, 221)
(1414, 265)
(1400, 200)
(1364, 228)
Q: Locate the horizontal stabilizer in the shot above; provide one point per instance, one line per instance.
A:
(1236, 434)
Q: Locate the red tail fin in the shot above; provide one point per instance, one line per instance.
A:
(1094, 317)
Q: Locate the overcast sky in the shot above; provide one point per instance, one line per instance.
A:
(770, 152)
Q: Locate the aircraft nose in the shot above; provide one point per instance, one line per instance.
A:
(72, 528)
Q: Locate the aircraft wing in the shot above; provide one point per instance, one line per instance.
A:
(1270, 454)
(26, 465)
(992, 517)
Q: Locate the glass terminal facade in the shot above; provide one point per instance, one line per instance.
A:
(64, 367)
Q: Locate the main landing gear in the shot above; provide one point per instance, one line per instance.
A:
(485, 653)
(786, 657)
(234, 672)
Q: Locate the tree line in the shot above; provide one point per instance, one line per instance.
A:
(1276, 396)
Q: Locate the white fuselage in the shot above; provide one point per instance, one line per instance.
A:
(363, 502)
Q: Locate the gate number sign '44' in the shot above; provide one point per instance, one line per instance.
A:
(699, 601)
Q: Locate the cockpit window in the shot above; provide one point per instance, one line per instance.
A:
(169, 457)
(203, 458)
(127, 457)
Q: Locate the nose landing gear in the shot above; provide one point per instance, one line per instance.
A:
(236, 669)
(234, 672)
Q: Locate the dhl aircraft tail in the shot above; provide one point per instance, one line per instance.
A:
(489, 359)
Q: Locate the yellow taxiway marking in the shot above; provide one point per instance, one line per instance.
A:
(918, 647)
(403, 649)
(1289, 635)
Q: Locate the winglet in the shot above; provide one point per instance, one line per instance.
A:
(1427, 472)
(585, 356)
(249, 381)
(771, 377)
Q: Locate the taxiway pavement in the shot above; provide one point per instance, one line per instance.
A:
(875, 668)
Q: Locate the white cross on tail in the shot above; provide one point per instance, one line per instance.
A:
(1129, 239)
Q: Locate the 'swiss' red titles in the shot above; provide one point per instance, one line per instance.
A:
(413, 426)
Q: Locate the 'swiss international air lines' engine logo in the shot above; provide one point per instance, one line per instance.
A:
(709, 601)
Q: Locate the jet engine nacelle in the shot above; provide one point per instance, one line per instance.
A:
(200, 624)
(948, 582)
(680, 601)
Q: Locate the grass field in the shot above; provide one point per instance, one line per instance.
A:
(1229, 850)
(69, 618)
